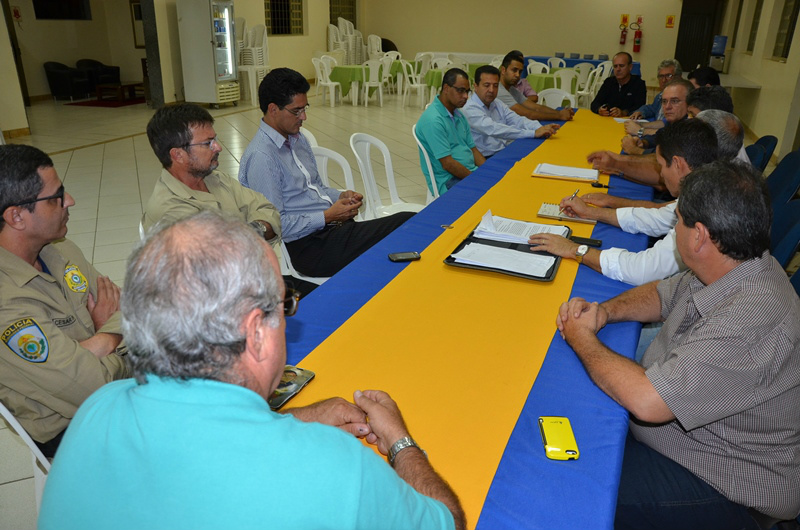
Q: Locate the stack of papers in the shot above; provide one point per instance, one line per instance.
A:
(565, 172)
(499, 228)
(504, 259)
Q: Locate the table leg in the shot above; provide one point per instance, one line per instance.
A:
(354, 92)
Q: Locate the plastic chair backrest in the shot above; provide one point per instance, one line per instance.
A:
(583, 69)
(373, 44)
(768, 143)
(433, 190)
(757, 156)
(556, 62)
(409, 76)
(456, 61)
(554, 98)
(785, 179)
(312, 140)
(330, 61)
(333, 36)
(424, 60)
(240, 24)
(441, 63)
(41, 465)
(607, 69)
(563, 79)
(394, 55)
(374, 73)
(322, 155)
(318, 69)
(535, 67)
(361, 145)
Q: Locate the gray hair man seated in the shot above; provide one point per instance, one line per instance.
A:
(191, 441)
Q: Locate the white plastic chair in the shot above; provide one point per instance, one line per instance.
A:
(554, 98)
(423, 60)
(322, 156)
(563, 80)
(41, 465)
(287, 269)
(587, 93)
(374, 47)
(312, 140)
(456, 61)
(361, 145)
(330, 61)
(396, 56)
(386, 73)
(497, 60)
(607, 68)
(441, 63)
(412, 82)
(372, 79)
(535, 67)
(556, 62)
(324, 81)
(433, 190)
(583, 70)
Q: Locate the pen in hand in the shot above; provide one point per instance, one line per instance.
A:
(561, 210)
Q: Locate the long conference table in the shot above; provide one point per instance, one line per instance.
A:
(473, 358)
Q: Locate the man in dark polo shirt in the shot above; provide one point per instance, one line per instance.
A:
(622, 93)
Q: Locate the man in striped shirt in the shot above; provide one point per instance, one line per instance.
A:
(714, 437)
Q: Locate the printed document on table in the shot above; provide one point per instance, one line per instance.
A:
(499, 228)
(504, 259)
(565, 172)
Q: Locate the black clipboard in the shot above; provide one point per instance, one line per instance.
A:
(521, 247)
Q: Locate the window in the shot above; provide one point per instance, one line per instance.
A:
(751, 43)
(284, 17)
(736, 24)
(343, 8)
(786, 29)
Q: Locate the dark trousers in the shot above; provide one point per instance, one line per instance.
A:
(658, 493)
(327, 251)
(49, 447)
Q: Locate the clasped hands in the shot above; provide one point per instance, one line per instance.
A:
(577, 317)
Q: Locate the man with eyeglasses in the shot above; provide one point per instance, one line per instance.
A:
(641, 138)
(668, 70)
(59, 320)
(318, 226)
(622, 93)
(444, 132)
(191, 442)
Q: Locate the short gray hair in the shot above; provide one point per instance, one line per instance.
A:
(730, 131)
(666, 63)
(189, 286)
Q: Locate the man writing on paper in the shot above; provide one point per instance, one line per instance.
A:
(510, 72)
(492, 124)
(683, 147)
(191, 441)
(623, 92)
(444, 133)
(714, 438)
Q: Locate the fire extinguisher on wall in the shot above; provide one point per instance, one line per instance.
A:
(623, 36)
(637, 37)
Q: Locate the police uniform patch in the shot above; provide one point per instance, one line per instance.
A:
(75, 279)
(25, 338)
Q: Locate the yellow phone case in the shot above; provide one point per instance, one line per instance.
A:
(558, 439)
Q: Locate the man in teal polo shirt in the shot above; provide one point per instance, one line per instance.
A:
(444, 132)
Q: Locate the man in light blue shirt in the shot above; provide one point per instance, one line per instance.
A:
(668, 70)
(493, 125)
(317, 221)
(444, 133)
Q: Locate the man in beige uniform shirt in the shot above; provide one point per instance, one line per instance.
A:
(59, 318)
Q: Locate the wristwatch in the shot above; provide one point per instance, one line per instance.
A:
(581, 252)
(403, 443)
(640, 133)
(260, 228)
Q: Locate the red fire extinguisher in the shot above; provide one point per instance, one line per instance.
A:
(637, 38)
(623, 36)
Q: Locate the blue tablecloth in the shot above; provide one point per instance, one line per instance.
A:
(637, 69)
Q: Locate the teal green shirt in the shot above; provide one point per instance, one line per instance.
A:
(445, 134)
(204, 454)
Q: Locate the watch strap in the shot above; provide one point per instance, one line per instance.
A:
(403, 443)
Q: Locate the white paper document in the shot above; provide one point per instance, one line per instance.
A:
(623, 120)
(499, 228)
(505, 259)
(565, 172)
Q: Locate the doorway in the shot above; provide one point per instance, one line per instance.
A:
(12, 34)
(700, 21)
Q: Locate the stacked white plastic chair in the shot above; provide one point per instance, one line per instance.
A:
(361, 144)
(241, 37)
(254, 63)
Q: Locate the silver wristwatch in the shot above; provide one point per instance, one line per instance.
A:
(580, 253)
(403, 443)
(641, 132)
(260, 228)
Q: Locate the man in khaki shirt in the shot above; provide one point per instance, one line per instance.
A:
(59, 318)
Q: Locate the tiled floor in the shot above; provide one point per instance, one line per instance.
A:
(106, 163)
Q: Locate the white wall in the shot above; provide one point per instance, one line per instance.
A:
(120, 40)
(537, 27)
(13, 115)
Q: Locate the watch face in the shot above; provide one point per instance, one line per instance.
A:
(582, 250)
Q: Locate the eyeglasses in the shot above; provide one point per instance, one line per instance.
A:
(58, 195)
(298, 111)
(290, 302)
(673, 102)
(460, 90)
(665, 76)
(207, 144)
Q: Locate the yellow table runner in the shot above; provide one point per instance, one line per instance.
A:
(460, 349)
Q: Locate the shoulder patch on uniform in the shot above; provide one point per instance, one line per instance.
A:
(75, 279)
(25, 338)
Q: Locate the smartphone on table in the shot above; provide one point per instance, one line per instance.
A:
(558, 438)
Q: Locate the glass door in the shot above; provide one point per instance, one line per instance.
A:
(224, 40)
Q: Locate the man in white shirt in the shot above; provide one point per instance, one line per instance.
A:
(493, 125)
(683, 147)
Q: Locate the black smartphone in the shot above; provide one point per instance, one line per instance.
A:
(586, 241)
(404, 256)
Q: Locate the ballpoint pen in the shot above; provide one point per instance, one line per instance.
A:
(561, 210)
